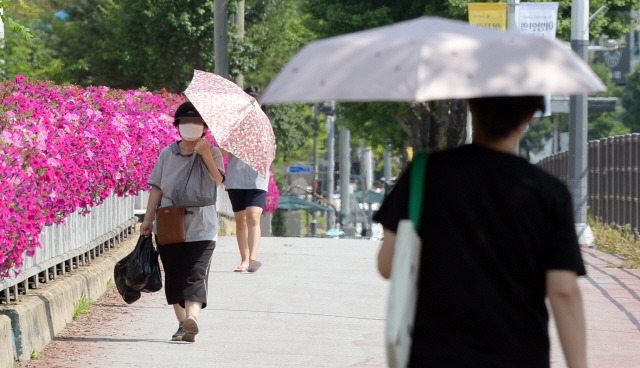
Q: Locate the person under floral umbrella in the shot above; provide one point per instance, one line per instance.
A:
(247, 191)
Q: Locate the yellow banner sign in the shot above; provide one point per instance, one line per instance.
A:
(492, 15)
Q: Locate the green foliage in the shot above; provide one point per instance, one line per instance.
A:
(618, 240)
(375, 122)
(291, 128)
(127, 44)
(281, 181)
(609, 123)
(273, 34)
(82, 305)
(15, 26)
(279, 223)
(615, 22)
(36, 355)
(29, 55)
(600, 124)
(631, 101)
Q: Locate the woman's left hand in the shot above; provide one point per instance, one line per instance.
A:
(203, 148)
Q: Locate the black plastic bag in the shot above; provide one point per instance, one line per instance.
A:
(120, 277)
(139, 267)
(155, 279)
(197, 188)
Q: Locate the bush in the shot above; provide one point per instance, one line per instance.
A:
(279, 223)
(66, 149)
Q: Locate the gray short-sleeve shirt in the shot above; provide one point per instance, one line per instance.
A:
(201, 223)
(241, 176)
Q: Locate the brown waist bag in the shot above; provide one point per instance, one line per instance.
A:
(170, 225)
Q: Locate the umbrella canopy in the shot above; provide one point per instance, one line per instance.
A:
(236, 120)
(369, 196)
(295, 203)
(430, 58)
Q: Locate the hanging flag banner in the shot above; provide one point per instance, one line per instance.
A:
(492, 15)
(540, 19)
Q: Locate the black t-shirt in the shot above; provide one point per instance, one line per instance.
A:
(492, 225)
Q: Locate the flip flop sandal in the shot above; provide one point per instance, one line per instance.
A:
(254, 265)
(240, 269)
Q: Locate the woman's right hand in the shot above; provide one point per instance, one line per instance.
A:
(146, 228)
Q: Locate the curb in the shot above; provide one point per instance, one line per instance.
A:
(6, 343)
(39, 316)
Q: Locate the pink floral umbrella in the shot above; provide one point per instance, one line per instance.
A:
(236, 120)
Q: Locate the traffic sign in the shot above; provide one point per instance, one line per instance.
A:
(301, 169)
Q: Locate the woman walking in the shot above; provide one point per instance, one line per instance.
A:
(247, 192)
(186, 265)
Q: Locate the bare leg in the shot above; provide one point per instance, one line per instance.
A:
(192, 308)
(181, 315)
(242, 236)
(190, 325)
(253, 230)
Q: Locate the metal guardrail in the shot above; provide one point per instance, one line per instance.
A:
(613, 182)
(82, 239)
(66, 247)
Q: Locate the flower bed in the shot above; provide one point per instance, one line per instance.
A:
(67, 148)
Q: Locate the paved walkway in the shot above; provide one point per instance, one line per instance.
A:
(611, 299)
(314, 303)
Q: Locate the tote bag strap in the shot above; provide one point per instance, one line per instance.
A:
(416, 187)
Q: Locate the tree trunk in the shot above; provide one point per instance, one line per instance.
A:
(435, 125)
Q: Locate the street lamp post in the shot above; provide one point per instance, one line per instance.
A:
(578, 127)
(331, 220)
(314, 221)
(220, 38)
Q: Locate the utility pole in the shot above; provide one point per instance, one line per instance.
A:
(314, 221)
(363, 184)
(577, 175)
(513, 15)
(367, 179)
(220, 38)
(331, 166)
(238, 20)
(387, 168)
(345, 173)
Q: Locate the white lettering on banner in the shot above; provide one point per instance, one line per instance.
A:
(537, 27)
(539, 19)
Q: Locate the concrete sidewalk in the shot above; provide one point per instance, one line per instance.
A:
(314, 303)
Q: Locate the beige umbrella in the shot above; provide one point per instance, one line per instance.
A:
(430, 58)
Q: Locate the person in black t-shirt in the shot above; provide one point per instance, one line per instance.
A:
(498, 237)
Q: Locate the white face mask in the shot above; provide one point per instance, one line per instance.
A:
(191, 132)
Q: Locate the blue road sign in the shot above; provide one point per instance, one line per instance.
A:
(304, 169)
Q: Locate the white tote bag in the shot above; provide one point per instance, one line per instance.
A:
(403, 292)
(403, 295)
